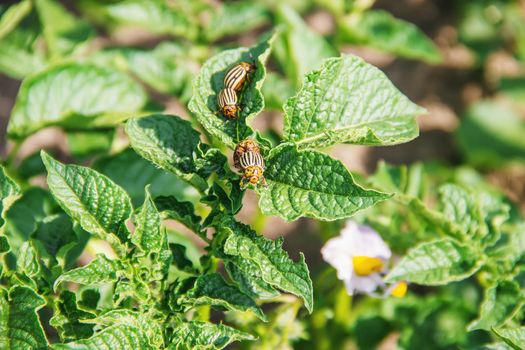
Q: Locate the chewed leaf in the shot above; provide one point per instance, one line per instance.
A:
(349, 101)
(436, 263)
(210, 81)
(312, 184)
(74, 95)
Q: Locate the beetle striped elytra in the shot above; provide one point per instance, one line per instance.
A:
(252, 165)
(244, 146)
(237, 76)
(228, 106)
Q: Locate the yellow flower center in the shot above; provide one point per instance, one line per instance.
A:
(365, 265)
(400, 290)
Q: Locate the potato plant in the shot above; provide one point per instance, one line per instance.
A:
(136, 175)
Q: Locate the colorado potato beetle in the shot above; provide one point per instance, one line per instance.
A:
(237, 76)
(243, 147)
(252, 165)
(228, 103)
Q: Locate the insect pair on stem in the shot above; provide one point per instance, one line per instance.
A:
(234, 81)
(247, 156)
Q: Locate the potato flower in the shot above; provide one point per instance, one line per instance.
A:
(359, 255)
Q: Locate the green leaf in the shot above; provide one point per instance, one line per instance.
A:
(60, 239)
(172, 144)
(99, 270)
(436, 263)
(67, 318)
(13, 15)
(248, 277)
(63, 32)
(144, 321)
(100, 206)
(24, 216)
(212, 289)
(312, 184)
(27, 261)
(299, 49)
(21, 328)
(180, 260)
(205, 335)
(19, 54)
(9, 193)
(156, 16)
(210, 81)
(118, 337)
(380, 30)
(148, 235)
(478, 215)
(235, 18)
(133, 173)
(349, 101)
(515, 337)
(74, 95)
(460, 207)
(488, 141)
(274, 265)
(500, 304)
(184, 212)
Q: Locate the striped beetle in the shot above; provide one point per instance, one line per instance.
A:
(252, 164)
(228, 103)
(243, 147)
(237, 76)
